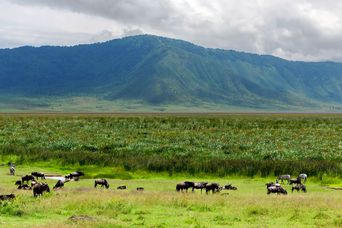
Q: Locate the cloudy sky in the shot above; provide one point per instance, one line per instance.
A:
(296, 30)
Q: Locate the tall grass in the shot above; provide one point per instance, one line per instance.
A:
(236, 144)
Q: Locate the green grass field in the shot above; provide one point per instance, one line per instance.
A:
(156, 151)
(80, 205)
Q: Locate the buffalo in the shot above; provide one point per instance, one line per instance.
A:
(102, 182)
(40, 188)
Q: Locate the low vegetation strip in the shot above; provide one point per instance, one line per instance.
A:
(222, 144)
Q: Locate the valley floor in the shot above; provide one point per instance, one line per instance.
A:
(79, 204)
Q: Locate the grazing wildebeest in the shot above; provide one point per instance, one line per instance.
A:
(74, 175)
(296, 181)
(58, 185)
(284, 177)
(7, 197)
(38, 174)
(40, 188)
(214, 187)
(140, 189)
(299, 187)
(27, 178)
(276, 189)
(12, 171)
(22, 185)
(230, 187)
(102, 182)
(199, 185)
(303, 176)
(121, 187)
(185, 185)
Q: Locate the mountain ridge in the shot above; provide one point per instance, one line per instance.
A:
(161, 71)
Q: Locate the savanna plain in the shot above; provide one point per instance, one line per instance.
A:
(157, 151)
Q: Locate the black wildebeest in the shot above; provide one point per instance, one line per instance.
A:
(122, 187)
(102, 182)
(296, 181)
(299, 187)
(214, 187)
(303, 176)
(140, 189)
(38, 174)
(185, 185)
(40, 188)
(230, 187)
(27, 178)
(7, 197)
(199, 185)
(284, 177)
(276, 188)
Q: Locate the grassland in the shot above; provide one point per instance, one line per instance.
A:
(80, 205)
(156, 152)
(216, 144)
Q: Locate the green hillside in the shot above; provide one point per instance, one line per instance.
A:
(150, 72)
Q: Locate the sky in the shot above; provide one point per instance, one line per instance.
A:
(309, 30)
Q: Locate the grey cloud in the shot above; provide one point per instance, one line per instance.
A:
(302, 29)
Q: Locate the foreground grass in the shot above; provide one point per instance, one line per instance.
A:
(80, 205)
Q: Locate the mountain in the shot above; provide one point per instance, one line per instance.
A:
(157, 71)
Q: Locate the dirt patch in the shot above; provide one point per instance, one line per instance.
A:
(77, 218)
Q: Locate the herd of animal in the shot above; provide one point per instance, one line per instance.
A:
(277, 188)
(213, 187)
(38, 188)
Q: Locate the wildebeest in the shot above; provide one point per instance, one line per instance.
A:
(230, 187)
(276, 188)
(58, 185)
(74, 175)
(303, 176)
(7, 197)
(40, 188)
(12, 170)
(299, 187)
(102, 182)
(38, 174)
(140, 189)
(284, 177)
(199, 185)
(122, 187)
(185, 186)
(22, 185)
(296, 181)
(27, 178)
(214, 187)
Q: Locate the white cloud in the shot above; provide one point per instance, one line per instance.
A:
(302, 29)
